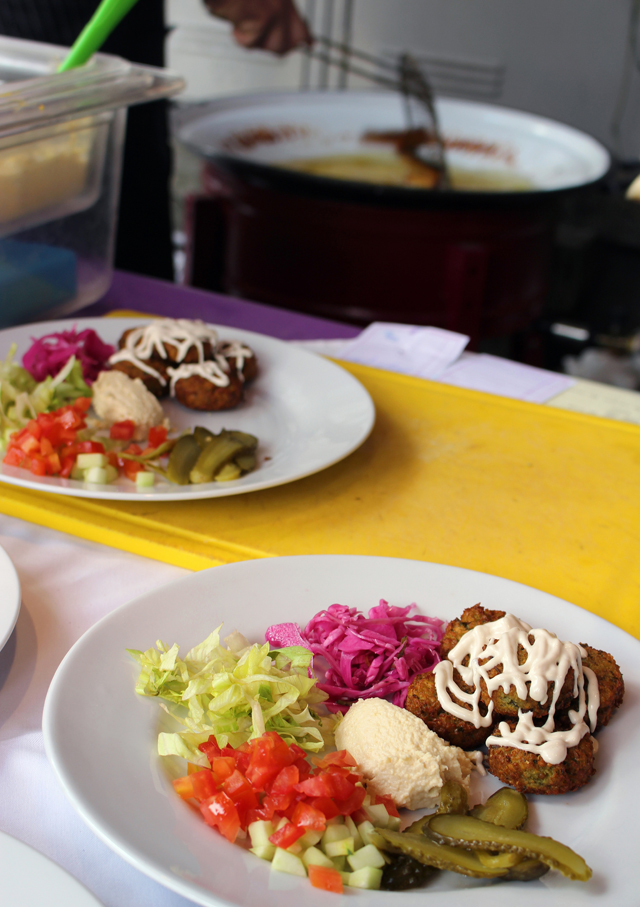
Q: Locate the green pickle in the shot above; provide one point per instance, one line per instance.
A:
(507, 807)
(484, 843)
(475, 834)
(219, 451)
(182, 459)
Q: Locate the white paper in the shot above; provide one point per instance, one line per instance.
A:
(494, 375)
(421, 351)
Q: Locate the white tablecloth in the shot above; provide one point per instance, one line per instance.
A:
(67, 585)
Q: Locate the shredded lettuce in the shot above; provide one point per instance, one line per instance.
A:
(22, 398)
(235, 692)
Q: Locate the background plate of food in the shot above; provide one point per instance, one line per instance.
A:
(305, 412)
(101, 737)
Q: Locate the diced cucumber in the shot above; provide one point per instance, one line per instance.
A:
(77, 473)
(296, 848)
(365, 829)
(95, 475)
(89, 460)
(264, 851)
(283, 861)
(310, 838)
(367, 877)
(337, 820)
(313, 855)
(377, 813)
(339, 863)
(341, 848)
(260, 832)
(145, 479)
(353, 831)
(394, 823)
(369, 855)
(283, 821)
(345, 877)
(112, 473)
(335, 833)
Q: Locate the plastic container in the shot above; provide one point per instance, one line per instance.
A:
(61, 142)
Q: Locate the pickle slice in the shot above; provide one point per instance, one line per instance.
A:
(469, 832)
(182, 459)
(441, 856)
(507, 807)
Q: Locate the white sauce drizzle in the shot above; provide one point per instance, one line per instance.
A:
(548, 661)
(209, 370)
(181, 333)
(232, 349)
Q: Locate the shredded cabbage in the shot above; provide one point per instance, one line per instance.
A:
(374, 656)
(236, 692)
(47, 355)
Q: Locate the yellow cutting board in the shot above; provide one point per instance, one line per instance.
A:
(538, 495)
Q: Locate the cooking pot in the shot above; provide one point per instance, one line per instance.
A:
(469, 261)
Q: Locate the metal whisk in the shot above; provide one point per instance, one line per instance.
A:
(422, 138)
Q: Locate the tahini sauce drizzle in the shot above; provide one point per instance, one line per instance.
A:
(181, 333)
(548, 661)
(209, 370)
(232, 349)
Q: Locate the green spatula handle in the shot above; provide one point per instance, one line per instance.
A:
(96, 32)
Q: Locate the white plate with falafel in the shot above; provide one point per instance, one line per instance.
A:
(104, 749)
(306, 412)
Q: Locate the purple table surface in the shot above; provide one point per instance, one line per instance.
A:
(158, 297)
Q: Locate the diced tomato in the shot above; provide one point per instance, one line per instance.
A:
(220, 812)
(38, 466)
(210, 748)
(327, 806)
(54, 466)
(325, 878)
(203, 784)
(223, 767)
(307, 816)
(122, 431)
(184, 787)
(14, 456)
(66, 465)
(131, 469)
(235, 784)
(29, 443)
(90, 447)
(340, 758)
(270, 755)
(157, 435)
(286, 836)
(351, 803)
(82, 404)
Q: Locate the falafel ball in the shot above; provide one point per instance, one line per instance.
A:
(152, 384)
(199, 393)
(530, 774)
(422, 701)
(470, 618)
(610, 682)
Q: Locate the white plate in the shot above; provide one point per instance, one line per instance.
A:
(9, 597)
(29, 878)
(102, 748)
(306, 412)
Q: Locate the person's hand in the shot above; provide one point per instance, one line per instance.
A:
(273, 25)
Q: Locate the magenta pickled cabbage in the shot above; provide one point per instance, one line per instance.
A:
(48, 354)
(370, 656)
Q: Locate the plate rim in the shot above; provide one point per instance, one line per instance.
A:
(10, 580)
(143, 863)
(210, 489)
